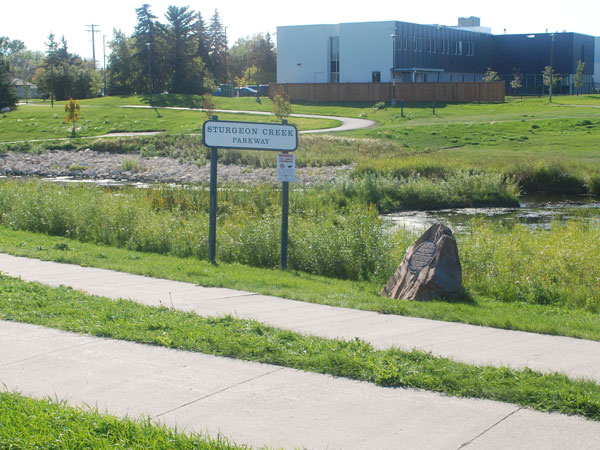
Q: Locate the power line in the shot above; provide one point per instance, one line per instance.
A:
(93, 31)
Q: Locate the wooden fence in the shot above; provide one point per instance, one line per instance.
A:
(376, 92)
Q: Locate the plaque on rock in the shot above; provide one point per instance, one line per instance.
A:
(430, 269)
(422, 256)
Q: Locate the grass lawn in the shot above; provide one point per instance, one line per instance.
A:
(483, 310)
(45, 424)
(40, 121)
(70, 310)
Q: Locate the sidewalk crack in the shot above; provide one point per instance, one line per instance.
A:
(216, 392)
(465, 444)
(48, 353)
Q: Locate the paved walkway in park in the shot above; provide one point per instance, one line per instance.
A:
(468, 343)
(260, 404)
(348, 123)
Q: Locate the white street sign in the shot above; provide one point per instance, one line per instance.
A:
(249, 135)
(286, 167)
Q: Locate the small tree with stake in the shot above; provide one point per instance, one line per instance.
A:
(517, 82)
(578, 77)
(281, 106)
(72, 109)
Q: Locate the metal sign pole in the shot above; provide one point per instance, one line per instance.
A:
(212, 218)
(285, 208)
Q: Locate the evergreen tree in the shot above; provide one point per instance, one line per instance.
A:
(149, 52)
(182, 64)
(217, 48)
(63, 75)
(8, 94)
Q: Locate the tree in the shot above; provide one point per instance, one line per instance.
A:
(148, 50)
(578, 77)
(550, 80)
(185, 68)
(63, 75)
(72, 110)
(121, 71)
(217, 48)
(491, 75)
(8, 46)
(517, 81)
(258, 53)
(281, 106)
(8, 95)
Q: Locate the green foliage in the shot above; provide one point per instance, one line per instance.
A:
(281, 106)
(549, 77)
(72, 110)
(578, 77)
(253, 60)
(491, 75)
(8, 94)
(64, 75)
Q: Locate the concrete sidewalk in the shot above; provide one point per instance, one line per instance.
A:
(467, 343)
(260, 404)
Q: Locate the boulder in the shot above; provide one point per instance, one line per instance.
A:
(5, 110)
(430, 269)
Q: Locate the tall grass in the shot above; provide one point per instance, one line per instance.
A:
(334, 232)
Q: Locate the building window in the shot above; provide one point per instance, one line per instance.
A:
(405, 42)
(420, 43)
(459, 48)
(445, 46)
(429, 45)
(334, 62)
(415, 47)
(376, 77)
(433, 49)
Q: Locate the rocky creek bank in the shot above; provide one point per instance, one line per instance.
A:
(91, 165)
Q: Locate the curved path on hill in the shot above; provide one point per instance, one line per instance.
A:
(348, 123)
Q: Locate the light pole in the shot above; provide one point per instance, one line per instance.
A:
(393, 75)
(149, 71)
(551, 68)
(104, 65)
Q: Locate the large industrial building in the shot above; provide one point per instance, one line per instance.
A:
(393, 51)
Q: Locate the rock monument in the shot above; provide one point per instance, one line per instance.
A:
(430, 269)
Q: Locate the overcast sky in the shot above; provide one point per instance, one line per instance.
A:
(32, 21)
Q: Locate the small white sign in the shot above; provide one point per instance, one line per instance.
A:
(286, 167)
(249, 135)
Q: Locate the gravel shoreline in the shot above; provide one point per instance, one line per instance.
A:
(91, 165)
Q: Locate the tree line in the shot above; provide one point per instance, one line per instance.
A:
(182, 54)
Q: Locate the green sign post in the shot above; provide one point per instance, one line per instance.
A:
(249, 136)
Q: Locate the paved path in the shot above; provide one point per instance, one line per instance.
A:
(348, 123)
(467, 343)
(260, 404)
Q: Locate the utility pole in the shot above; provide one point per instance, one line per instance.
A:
(104, 66)
(93, 31)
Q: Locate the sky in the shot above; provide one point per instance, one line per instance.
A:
(33, 20)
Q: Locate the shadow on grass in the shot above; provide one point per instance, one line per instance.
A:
(165, 100)
(464, 298)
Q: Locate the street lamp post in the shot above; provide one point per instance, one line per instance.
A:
(149, 71)
(551, 68)
(393, 76)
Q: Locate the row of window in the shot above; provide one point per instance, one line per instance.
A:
(428, 44)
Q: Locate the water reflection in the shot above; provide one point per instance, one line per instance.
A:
(538, 212)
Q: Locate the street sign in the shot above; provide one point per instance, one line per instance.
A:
(249, 135)
(286, 167)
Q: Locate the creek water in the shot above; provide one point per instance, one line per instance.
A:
(535, 212)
